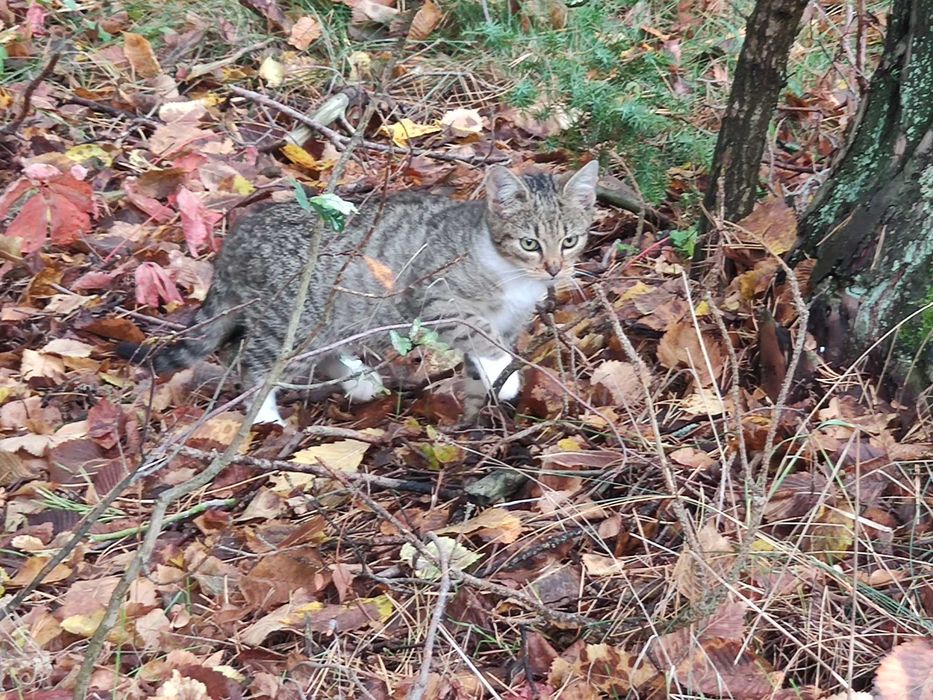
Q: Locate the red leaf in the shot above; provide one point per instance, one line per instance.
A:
(150, 205)
(104, 423)
(197, 221)
(78, 192)
(92, 280)
(66, 220)
(31, 224)
(154, 286)
(12, 194)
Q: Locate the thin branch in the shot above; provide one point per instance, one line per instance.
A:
(430, 638)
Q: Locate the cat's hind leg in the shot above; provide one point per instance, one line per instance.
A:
(269, 411)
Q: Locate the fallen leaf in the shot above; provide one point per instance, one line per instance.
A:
(35, 364)
(33, 566)
(83, 625)
(299, 156)
(772, 224)
(154, 286)
(463, 122)
(425, 20)
(139, 53)
(493, 525)
(342, 455)
(402, 131)
(272, 71)
(197, 221)
(680, 347)
(620, 379)
(695, 572)
(457, 556)
(65, 347)
(304, 32)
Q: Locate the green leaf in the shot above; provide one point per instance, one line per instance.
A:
(685, 241)
(301, 196)
(401, 343)
(333, 210)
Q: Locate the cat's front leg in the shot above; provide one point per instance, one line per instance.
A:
(490, 368)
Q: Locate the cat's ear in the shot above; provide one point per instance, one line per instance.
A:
(505, 192)
(581, 187)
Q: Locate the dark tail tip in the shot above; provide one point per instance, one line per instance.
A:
(136, 353)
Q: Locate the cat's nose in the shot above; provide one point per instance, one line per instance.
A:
(553, 267)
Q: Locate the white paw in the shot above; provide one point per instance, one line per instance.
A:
(269, 412)
(363, 388)
(492, 367)
(511, 387)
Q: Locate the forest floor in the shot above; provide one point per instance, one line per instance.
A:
(686, 501)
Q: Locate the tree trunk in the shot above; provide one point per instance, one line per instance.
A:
(759, 79)
(870, 227)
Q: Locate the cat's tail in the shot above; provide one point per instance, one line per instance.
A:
(209, 331)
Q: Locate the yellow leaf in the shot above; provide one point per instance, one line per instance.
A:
(343, 455)
(139, 53)
(635, 290)
(242, 186)
(299, 156)
(272, 72)
(83, 625)
(702, 308)
(405, 129)
(493, 524)
(87, 151)
(383, 604)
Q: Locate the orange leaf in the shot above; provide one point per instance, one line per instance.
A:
(305, 30)
(139, 53)
(426, 19)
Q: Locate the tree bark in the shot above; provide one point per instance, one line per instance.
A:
(760, 75)
(870, 227)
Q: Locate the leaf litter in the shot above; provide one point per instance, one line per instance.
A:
(585, 582)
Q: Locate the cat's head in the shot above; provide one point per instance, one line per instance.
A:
(540, 222)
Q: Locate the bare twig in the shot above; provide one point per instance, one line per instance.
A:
(430, 638)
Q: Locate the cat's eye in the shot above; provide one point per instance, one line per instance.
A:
(569, 241)
(529, 244)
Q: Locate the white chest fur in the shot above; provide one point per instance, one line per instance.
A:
(520, 293)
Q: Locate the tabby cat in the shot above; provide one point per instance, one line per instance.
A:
(486, 264)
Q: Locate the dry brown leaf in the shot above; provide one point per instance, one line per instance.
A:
(11, 468)
(772, 224)
(36, 364)
(692, 457)
(426, 19)
(65, 347)
(33, 566)
(304, 32)
(680, 347)
(620, 379)
(152, 628)
(691, 576)
(139, 53)
(493, 525)
(721, 667)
